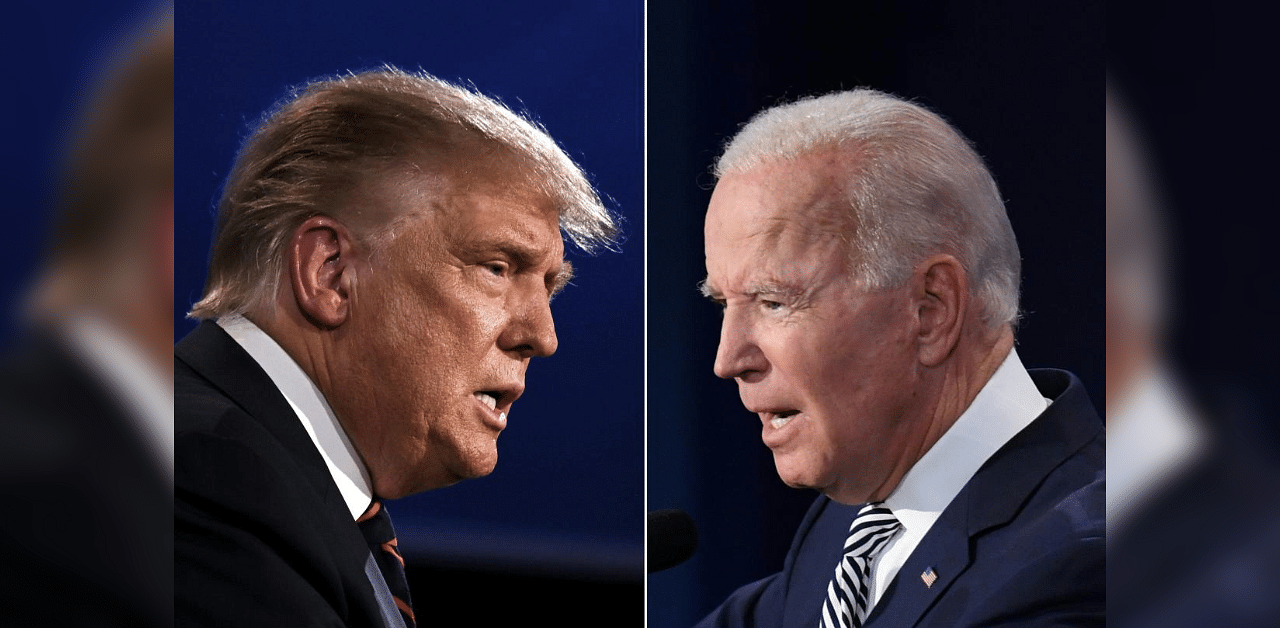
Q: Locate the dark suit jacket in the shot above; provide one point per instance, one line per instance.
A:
(263, 538)
(1200, 547)
(85, 507)
(1022, 544)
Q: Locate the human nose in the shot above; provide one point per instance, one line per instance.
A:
(738, 355)
(531, 331)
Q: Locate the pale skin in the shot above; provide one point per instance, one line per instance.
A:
(852, 386)
(411, 344)
(1131, 350)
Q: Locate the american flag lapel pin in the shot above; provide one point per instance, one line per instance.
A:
(929, 577)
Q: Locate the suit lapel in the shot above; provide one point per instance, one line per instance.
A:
(991, 498)
(213, 354)
(944, 552)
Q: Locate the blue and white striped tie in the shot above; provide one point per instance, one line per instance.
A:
(846, 604)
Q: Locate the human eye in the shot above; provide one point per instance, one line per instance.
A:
(771, 305)
(496, 268)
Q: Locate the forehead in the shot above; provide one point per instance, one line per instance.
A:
(481, 206)
(778, 219)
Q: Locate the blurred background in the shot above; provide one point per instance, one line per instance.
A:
(1193, 451)
(86, 394)
(562, 515)
(60, 59)
(1020, 80)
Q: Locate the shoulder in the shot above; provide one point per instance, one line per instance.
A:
(792, 596)
(255, 511)
(1036, 515)
(74, 466)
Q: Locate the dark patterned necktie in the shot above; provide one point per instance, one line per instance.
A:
(846, 603)
(375, 524)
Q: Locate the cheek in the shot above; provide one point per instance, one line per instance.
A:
(488, 318)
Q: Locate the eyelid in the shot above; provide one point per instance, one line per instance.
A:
(558, 282)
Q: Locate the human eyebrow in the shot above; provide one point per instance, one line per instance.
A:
(707, 291)
(561, 279)
(519, 253)
(772, 289)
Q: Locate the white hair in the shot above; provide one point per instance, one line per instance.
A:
(914, 185)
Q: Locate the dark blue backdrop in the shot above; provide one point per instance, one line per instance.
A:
(56, 56)
(1022, 81)
(567, 494)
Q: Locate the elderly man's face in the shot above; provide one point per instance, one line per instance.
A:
(443, 328)
(826, 366)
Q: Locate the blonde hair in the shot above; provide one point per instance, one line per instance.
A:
(314, 148)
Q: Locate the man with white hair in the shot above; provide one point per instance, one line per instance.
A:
(869, 279)
(387, 248)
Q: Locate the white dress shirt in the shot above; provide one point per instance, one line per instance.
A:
(1008, 403)
(313, 411)
(125, 371)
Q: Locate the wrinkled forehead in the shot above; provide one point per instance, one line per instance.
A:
(777, 213)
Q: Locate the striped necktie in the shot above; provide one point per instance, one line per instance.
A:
(846, 603)
(375, 524)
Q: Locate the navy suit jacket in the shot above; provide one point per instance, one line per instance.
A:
(1022, 544)
(85, 538)
(263, 537)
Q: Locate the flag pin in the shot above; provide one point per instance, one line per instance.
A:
(929, 577)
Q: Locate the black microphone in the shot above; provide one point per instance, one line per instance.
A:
(672, 539)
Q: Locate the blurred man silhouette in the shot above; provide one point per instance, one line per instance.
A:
(1192, 515)
(86, 435)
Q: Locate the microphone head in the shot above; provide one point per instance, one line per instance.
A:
(672, 539)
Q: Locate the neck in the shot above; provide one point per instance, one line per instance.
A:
(301, 340)
(949, 390)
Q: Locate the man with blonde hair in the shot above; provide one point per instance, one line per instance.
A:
(869, 279)
(386, 251)
(86, 430)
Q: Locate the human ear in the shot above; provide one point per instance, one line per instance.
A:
(321, 270)
(942, 299)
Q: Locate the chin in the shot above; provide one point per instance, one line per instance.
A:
(795, 476)
(476, 465)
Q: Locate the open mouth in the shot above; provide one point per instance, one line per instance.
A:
(782, 418)
(489, 398)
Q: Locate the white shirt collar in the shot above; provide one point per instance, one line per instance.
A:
(1150, 436)
(344, 464)
(133, 378)
(1007, 404)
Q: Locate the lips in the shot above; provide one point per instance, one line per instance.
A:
(780, 419)
(497, 402)
(774, 425)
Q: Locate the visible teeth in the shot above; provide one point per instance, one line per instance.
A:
(780, 421)
(488, 400)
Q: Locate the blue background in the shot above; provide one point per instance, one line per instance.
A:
(56, 54)
(566, 498)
